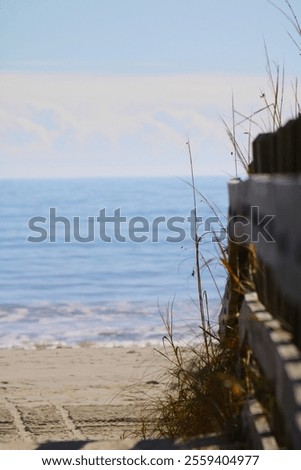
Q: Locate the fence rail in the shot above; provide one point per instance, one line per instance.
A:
(265, 214)
(264, 254)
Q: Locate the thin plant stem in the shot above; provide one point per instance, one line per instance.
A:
(234, 136)
(197, 254)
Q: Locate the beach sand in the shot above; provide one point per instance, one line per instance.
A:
(83, 395)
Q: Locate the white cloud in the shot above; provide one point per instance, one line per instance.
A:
(90, 125)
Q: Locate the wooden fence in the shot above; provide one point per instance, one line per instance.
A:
(263, 296)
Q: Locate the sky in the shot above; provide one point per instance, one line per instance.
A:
(117, 87)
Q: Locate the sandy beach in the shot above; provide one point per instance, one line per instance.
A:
(86, 395)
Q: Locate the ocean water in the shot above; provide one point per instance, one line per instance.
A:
(99, 261)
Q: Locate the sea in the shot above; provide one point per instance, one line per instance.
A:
(108, 262)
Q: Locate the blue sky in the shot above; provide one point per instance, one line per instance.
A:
(115, 87)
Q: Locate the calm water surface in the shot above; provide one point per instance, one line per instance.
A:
(70, 286)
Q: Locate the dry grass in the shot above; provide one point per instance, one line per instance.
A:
(203, 396)
(290, 14)
(267, 118)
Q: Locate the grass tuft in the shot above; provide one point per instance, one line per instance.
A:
(203, 395)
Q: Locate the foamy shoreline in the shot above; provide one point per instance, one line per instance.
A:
(73, 394)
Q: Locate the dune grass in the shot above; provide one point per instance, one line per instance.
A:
(203, 395)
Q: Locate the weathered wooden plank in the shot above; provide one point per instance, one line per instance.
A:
(256, 427)
(298, 145)
(263, 153)
(280, 151)
(266, 212)
(279, 359)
